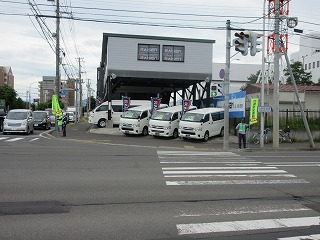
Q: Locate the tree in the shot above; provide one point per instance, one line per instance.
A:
(254, 77)
(8, 94)
(18, 103)
(300, 75)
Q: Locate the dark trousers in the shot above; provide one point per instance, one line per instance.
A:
(64, 130)
(242, 137)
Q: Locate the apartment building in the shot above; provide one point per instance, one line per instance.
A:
(6, 76)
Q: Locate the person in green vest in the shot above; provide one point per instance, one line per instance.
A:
(242, 128)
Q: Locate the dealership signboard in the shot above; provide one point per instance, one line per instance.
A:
(237, 104)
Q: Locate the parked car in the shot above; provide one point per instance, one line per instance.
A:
(41, 120)
(18, 121)
(71, 116)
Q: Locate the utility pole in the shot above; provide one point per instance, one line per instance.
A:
(262, 115)
(88, 96)
(276, 77)
(226, 84)
(57, 82)
(79, 91)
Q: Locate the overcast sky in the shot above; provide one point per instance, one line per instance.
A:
(29, 48)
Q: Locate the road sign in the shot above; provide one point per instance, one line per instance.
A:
(222, 73)
(63, 93)
(265, 109)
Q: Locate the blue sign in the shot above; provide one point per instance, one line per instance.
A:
(222, 73)
(63, 93)
(237, 104)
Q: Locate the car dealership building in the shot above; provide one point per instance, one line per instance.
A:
(142, 67)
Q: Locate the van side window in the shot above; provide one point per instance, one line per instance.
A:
(175, 116)
(117, 108)
(217, 116)
(206, 118)
(102, 108)
(144, 114)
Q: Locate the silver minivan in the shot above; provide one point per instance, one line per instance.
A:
(18, 121)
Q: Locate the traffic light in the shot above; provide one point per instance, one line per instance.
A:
(242, 43)
(213, 91)
(254, 44)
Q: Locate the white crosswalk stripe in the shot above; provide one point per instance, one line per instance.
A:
(249, 225)
(233, 168)
(16, 139)
(308, 237)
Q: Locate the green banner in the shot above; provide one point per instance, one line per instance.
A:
(254, 111)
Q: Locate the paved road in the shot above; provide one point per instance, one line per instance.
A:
(102, 186)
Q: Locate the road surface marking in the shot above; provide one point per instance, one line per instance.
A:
(309, 237)
(231, 176)
(13, 139)
(235, 226)
(33, 139)
(233, 182)
(3, 138)
(245, 210)
(214, 168)
(224, 172)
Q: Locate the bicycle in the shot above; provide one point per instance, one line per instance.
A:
(256, 137)
(284, 136)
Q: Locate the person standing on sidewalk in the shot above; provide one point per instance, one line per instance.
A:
(242, 128)
(64, 123)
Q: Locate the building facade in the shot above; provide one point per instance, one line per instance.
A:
(6, 76)
(309, 54)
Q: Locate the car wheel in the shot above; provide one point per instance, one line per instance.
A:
(175, 133)
(222, 132)
(145, 131)
(206, 136)
(102, 123)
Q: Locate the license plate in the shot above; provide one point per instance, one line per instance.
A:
(188, 136)
(126, 131)
(157, 134)
(36, 125)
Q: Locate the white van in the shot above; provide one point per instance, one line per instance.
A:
(165, 122)
(99, 115)
(136, 120)
(202, 123)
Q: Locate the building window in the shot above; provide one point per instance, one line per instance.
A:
(305, 66)
(318, 63)
(149, 52)
(314, 64)
(172, 53)
(309, 65)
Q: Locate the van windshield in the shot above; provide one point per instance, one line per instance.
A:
(163, 116)
(192, 117)
(17, 115)
(131, 114)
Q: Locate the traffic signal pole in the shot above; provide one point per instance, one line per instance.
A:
(226, 85)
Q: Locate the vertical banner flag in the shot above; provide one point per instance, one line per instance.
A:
(55, 107)
(254, 111)
(185, 106)
(125, 103)
(155, 104)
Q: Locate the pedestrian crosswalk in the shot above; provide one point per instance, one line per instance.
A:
(219, 168)
(192, 168)
(17, 139)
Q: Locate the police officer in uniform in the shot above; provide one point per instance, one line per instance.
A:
(242, 127)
